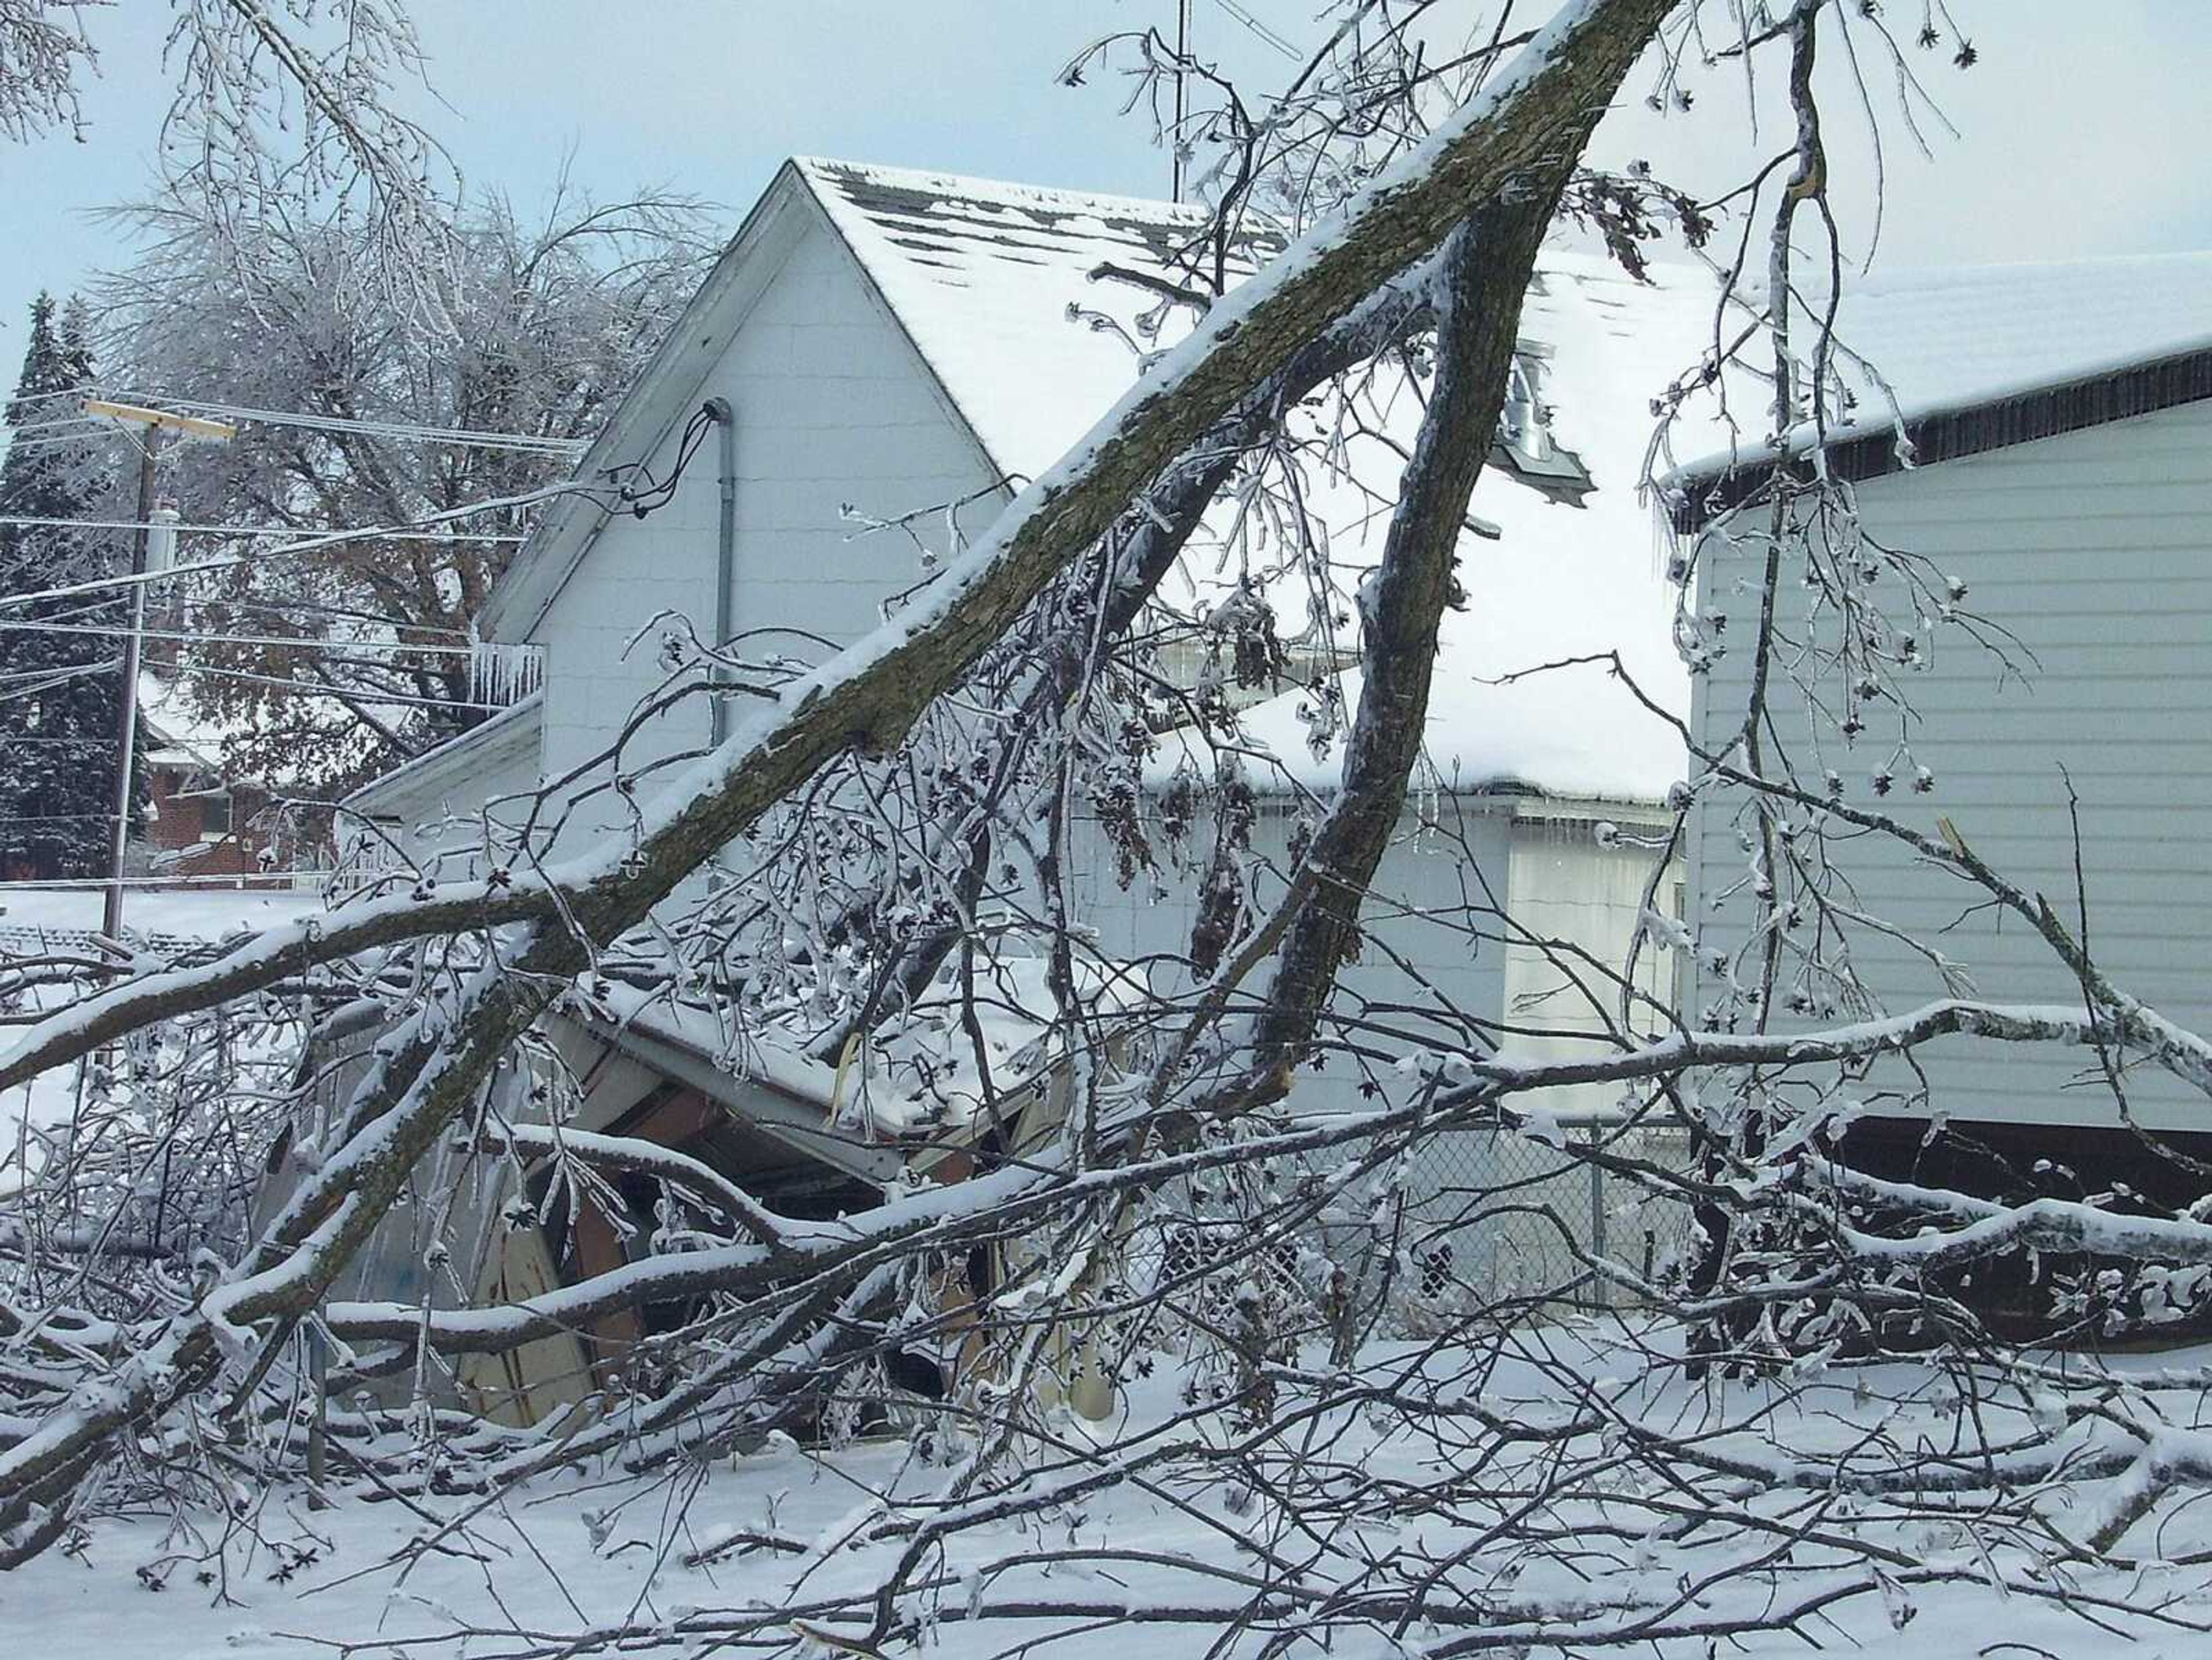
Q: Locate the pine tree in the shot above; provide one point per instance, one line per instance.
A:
(59, 701)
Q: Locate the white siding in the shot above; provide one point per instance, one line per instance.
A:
(2095, 549)
(832, 407)
(1434, 891)
(1567, 886)
(1417, 908)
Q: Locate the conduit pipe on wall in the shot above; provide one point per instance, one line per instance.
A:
(718, 411)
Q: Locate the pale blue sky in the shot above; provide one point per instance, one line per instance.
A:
(2084, 128)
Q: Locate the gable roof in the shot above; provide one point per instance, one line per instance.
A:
(999, 288)
(980, 275)
(1930, 351)
(664, 392)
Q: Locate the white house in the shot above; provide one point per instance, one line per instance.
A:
(2060, 422)
(880, 341)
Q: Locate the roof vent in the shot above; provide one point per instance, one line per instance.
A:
(1526, 446)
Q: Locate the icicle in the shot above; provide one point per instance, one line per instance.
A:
(501, 672)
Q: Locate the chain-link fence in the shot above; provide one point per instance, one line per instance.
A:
(1486, 1224)
(1494, 1215)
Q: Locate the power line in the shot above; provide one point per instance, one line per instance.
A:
(47, 673)
(73, 884)
(304, 642)
(38, 446)
(226, 601)
(463, 437)
(340, 693)
(62, 678)
(57, 421)
(1259, 29)
(22, 398)
(310, 545)
(29, 521)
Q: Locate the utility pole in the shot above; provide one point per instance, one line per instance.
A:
(1181, 96)
(155, 422)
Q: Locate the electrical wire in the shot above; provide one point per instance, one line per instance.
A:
(65, 671)
(1259, 29)
(660, 491)
(657, 493)
(58, 421)
(339, 694)
(106, 607)
(30, 522)
(305, 643)
(40, 446)
(80, 390)
(76, 391)
(61, 677)
(312, 608)
(94, 884)
(309, 545)
(462, 437)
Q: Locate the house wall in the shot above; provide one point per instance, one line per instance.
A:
(1498, 1207)
(1418, 900)
(1441, 880)
(195, 836)
(833, 408)
(1567, 885)
(2094, 550)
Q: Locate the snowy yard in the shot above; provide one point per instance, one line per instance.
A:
(762, 1550)
(210, 912)
(35, 923)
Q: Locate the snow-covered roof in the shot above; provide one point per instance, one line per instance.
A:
(982, 274)
(180, 735)
(1556, 582)
(1952, 339)
(997, 286)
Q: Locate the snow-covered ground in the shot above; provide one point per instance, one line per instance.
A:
(199, 913)
(36, 922)
(532, 1572)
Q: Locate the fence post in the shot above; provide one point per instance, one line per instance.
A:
(319, 1427)
(1600, 1290)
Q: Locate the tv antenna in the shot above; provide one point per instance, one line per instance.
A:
(1175, 150)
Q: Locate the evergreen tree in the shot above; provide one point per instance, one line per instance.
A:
(59, 693)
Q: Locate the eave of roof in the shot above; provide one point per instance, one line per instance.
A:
(511, 728)
(1706, 490)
